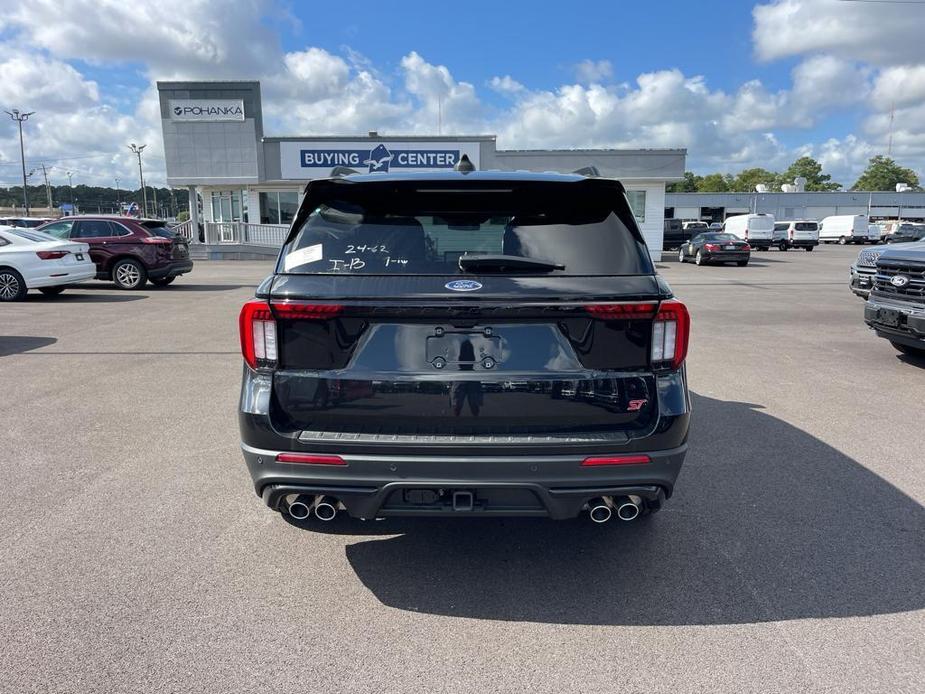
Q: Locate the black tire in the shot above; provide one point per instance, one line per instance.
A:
(12, 285)
(782, 247)
(741, 263)
(698, 259)
(163, 281)
(129, 274)
(909, 349)
(842, 241)
(809, 249)
(51, 291)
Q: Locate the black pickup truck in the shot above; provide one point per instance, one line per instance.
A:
(481, 343)
(895, 309)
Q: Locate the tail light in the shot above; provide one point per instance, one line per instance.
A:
(257, 325)
(51, 255)
(791, 233)
(670, 334)
(711, 247)
(640, 310)
(746, 247)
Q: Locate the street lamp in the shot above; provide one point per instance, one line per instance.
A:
(20, 118)
(118, 195)
(70, 188)
(136, 150)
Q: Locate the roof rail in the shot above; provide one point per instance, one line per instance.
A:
(342, 171)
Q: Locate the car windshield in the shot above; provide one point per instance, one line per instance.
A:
(806, 226)
(419, 228)
(37, 236)
(781, 226)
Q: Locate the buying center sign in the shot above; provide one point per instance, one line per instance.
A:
(206, 109)
(302, 160)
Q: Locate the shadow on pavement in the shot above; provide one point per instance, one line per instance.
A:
(69, 297)
(767, 523)
(180, 287)
(17, 344)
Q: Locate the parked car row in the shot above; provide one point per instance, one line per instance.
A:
(892, 279)
(128, 252)
(760, 231)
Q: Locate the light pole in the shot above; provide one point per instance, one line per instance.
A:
(70, 189)
(20, 118)
(118, 195)
(141, 177)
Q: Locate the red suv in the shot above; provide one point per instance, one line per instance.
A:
(128, 251)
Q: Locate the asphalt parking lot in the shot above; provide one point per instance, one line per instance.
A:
(136, 557)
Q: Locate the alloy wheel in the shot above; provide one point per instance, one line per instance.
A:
(127, 275)
(9, 286)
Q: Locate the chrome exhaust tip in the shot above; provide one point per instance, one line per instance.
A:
(301, 508)
(599, 510)
(326, 508)
(628, 508)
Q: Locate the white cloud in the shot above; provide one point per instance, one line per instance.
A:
(900, 85)
(506, 85)
(876, 32)
(588, 71)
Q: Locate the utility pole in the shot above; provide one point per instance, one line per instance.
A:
(118, 195)
(47, 188)
(889, 147)
(136, 150)
(156, 210)
(20, 118)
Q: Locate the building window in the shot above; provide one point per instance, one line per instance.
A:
(228, 206)
(278, 207)
(637, 199)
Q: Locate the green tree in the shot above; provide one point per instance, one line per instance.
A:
(688, 185)
(811, 170)
(749, 178)
(882, 173)
(714, 183)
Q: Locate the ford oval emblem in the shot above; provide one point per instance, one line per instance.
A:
(899, 281)
(463, 285)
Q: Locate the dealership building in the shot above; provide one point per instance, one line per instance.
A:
(715, 207)
(245, 186)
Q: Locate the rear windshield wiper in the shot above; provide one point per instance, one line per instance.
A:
(501, 263)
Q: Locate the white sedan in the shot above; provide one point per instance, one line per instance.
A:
(32, 260)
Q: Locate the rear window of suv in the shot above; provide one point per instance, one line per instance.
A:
(419, 227)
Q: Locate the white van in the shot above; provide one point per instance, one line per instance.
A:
(845, 228)
(874, 232)
(800, 233)
(757, 229)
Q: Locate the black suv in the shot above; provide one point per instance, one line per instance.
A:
(895, 308)
(491, 344)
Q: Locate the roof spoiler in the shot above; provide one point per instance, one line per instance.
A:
(588, 171)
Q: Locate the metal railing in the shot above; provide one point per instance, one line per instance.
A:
(185, 229)
(270, 235)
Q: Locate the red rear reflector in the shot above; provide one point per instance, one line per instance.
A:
(51, 255)
(617, 460)
(640, 310)
(310, 459)
(291, 310)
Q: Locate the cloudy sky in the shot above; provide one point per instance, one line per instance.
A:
(737, 84)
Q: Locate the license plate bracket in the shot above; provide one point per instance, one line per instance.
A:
(889, 317)
(464, 350)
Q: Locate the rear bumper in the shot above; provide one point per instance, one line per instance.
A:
(66, 275)
(797, 243)
(555, 486)
(178, 267)
(726, 257)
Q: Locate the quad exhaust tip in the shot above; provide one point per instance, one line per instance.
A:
(326, 508)
(301, 508)
(602, 508)
(599, 510)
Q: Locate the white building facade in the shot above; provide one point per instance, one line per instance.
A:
(245, 187)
